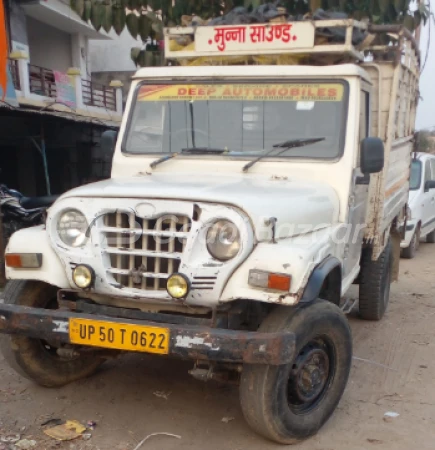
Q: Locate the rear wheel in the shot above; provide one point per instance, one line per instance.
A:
(291, 402)
(36, 359)
(375, 281)
(430, 238)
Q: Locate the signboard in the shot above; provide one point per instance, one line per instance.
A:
(65, 90)
(254, 38)
(10, 96)
(293, 92)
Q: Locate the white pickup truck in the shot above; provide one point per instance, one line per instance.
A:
(244, 201)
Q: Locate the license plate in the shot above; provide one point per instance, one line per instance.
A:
(120, 336)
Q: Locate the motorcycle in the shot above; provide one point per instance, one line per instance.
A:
(18, 211)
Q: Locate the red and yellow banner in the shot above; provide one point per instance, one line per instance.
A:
(330, 92)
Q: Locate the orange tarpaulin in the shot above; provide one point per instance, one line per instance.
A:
(3, 51)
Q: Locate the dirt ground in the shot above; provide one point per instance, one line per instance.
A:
(393, 370)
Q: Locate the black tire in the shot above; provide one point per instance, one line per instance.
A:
(375, 281)
(35, 359)
(410, 251)
(270, 396)
(430, 237)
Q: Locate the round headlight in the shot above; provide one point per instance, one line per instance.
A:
(72, 227)
(223, 240)
(177, 285)
(83, 276)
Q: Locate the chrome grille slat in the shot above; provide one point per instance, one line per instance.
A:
(157, 259)
(128, 252)
(144, 246)
(143, 252)
(140, 232)
(118, 244)
(131, 223)
(144, 274)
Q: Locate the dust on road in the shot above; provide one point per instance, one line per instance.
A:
(395, 371)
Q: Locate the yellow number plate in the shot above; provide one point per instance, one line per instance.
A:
(121, 336)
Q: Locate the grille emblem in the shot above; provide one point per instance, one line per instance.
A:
(136, 274)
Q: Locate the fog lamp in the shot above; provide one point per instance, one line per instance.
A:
(177, 285)
(83, 276)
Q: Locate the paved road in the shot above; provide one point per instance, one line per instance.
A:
(395, 372)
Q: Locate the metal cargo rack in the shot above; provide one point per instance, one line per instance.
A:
(384, 42)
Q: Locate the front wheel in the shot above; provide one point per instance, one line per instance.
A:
(36, 359)
(291, 402)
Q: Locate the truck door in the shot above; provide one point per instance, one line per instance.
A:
(428, 203)
(358, 197)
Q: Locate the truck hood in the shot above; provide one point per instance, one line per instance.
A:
(298, 206)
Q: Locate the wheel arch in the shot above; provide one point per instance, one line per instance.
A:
(324, 282)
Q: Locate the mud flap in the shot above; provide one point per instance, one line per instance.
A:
(396, 238)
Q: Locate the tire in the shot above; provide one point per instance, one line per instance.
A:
(375, 281)
(270, 396)
(36, 359)
(430, 237)
(410, 251)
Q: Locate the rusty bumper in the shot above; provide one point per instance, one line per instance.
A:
(186, 341)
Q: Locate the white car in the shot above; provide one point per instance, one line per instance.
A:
(421, 220)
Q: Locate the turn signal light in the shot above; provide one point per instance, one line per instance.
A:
(24, 260)
(269, 280)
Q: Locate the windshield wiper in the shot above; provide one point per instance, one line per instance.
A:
(204, 150)
(162, 160)
(190, 151)
(283, 146)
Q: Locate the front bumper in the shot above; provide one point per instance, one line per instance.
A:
(186, 341)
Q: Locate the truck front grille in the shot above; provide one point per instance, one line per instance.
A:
(143, 252)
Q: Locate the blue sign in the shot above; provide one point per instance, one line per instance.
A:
(11, 95)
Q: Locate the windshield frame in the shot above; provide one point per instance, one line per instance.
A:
(249, 156)
(420, 166)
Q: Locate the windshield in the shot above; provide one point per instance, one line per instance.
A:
(242, 119)
(415, 178)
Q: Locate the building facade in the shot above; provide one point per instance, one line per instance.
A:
(49, 138)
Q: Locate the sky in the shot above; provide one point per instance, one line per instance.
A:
(426, 106)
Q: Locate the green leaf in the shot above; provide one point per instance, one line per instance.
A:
(97, 14)
(134, 5)
(118, 20)
(87, 10)
(156, 5)
(80, 7)
(107, 16)
(417, 18)
(409, 22)
(73, 5)
(144, 27)
(134, 54)
(384, 5)
(158, 29)
(132, 22)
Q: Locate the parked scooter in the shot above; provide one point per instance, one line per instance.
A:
(16, 212)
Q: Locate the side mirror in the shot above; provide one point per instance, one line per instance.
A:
(108, 141)
(372, 155)
(430, 184)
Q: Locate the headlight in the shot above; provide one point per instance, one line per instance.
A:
(72, 227)
(223, 240)
(408, 213)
